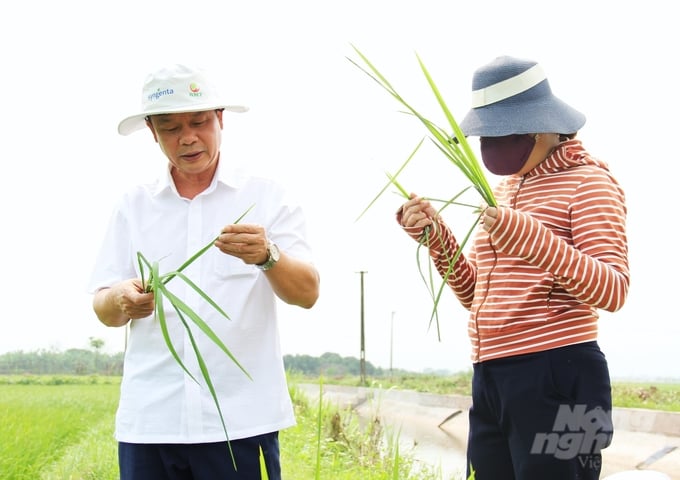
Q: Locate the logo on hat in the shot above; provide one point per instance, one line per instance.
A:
(195, 90)
(175, 89)
(160, 93)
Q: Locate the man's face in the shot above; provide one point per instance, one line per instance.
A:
(191, 140)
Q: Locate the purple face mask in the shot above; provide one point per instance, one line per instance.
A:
(506, 155)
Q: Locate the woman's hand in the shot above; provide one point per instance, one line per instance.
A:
(417, 213)
(488, 218)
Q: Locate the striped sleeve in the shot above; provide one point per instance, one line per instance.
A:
(443, 247)
(457, 270)
(593, 265)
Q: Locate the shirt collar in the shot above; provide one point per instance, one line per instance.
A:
(228, 177)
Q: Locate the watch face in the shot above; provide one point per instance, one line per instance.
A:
(274, 252)
(274, 255)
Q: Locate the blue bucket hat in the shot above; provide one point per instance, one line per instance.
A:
(513, 96)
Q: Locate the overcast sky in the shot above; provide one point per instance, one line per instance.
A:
(72, 70)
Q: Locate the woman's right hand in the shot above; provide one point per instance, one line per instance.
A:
(416, 215)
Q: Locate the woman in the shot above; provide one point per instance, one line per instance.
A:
(545, 259)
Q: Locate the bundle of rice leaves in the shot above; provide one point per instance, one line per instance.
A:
(157, 283)
(455, 147)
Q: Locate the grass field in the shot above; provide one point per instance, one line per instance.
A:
(651, 395)
(59, 428)
(46, 429)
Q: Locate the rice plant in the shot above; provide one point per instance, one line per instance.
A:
(455, 147)
(157, 283)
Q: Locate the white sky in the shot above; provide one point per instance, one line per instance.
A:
(71, 70)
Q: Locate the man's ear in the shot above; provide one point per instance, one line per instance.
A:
(153, 130)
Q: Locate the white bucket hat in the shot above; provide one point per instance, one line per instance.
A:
(175, 89)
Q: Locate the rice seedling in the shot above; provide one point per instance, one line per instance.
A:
(263, 467)
(157, 283)
(455, 147)
(40, 421)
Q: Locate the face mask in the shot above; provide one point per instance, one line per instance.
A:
(506, 155)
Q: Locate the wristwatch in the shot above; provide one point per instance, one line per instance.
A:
(273, 257)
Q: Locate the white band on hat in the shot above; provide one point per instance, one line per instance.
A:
(508, 88)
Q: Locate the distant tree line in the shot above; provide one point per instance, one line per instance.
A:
(75, 361)
(79, 361)
(330, 365)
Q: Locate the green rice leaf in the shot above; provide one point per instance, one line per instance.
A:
(401, 189)
(393, 181)
(156, 283)
(462, 156)
(160, 316)
(182, 307)
(147, 285)
(469, 160)
(206, 376)
(445, 277)
(263, 466)
(317, 470)
(203, 295)
(204, 249)
(428, 280)
(453, 144)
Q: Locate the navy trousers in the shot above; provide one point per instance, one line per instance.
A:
(201, 461)
(541, 416)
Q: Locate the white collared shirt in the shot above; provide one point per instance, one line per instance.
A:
(159, 402)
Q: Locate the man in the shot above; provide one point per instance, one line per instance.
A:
(168, 426)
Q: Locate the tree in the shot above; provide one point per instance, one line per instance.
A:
(96, 343)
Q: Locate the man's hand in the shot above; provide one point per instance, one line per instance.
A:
(117, 305)
(245, 241)
(131, 300)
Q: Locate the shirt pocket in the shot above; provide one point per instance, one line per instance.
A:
(229, 267)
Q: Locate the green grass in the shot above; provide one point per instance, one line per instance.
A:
(44, 425)
(651, 395)
(655, 396)
(61, 427)
(93, 457)
(350, 448)
(55, 428)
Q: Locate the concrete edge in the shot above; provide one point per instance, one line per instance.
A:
(629, 419)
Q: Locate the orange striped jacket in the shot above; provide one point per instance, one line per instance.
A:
(556, 254)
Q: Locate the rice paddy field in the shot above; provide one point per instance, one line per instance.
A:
(59, 428)
(52, 430)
